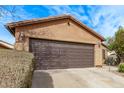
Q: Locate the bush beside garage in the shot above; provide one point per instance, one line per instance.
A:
(16, 69)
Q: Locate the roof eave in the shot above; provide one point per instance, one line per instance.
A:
(105, 45)
(87, 28)
(9, 29)
(28, 22)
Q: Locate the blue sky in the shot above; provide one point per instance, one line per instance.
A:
(105, 20)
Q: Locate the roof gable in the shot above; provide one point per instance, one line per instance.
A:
(11, 26)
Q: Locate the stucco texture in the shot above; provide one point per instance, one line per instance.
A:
(62, 30)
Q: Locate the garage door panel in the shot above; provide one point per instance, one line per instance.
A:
(55, 54)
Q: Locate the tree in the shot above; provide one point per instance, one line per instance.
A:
(109, 40)
(9, 11)
(118, 42)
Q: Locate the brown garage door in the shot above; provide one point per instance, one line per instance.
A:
(56, 54)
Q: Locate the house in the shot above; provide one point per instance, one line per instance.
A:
(58, 42)
(5, 45)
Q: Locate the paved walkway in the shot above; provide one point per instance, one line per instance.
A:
(77, 78)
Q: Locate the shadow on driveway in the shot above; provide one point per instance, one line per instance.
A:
(42, 80)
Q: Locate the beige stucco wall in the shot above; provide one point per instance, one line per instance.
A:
(59, 30)
(106, 53)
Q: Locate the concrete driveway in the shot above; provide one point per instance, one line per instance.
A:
(77, 78)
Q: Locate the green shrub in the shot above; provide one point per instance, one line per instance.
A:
(121, 67)
(16, 69)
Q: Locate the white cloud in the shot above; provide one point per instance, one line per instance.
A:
(113, 18)
(103, 19)
(76, 12)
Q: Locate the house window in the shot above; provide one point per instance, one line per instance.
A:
(103, 53)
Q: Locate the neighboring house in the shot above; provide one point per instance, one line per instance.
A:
(5, 45)
(58, 42)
